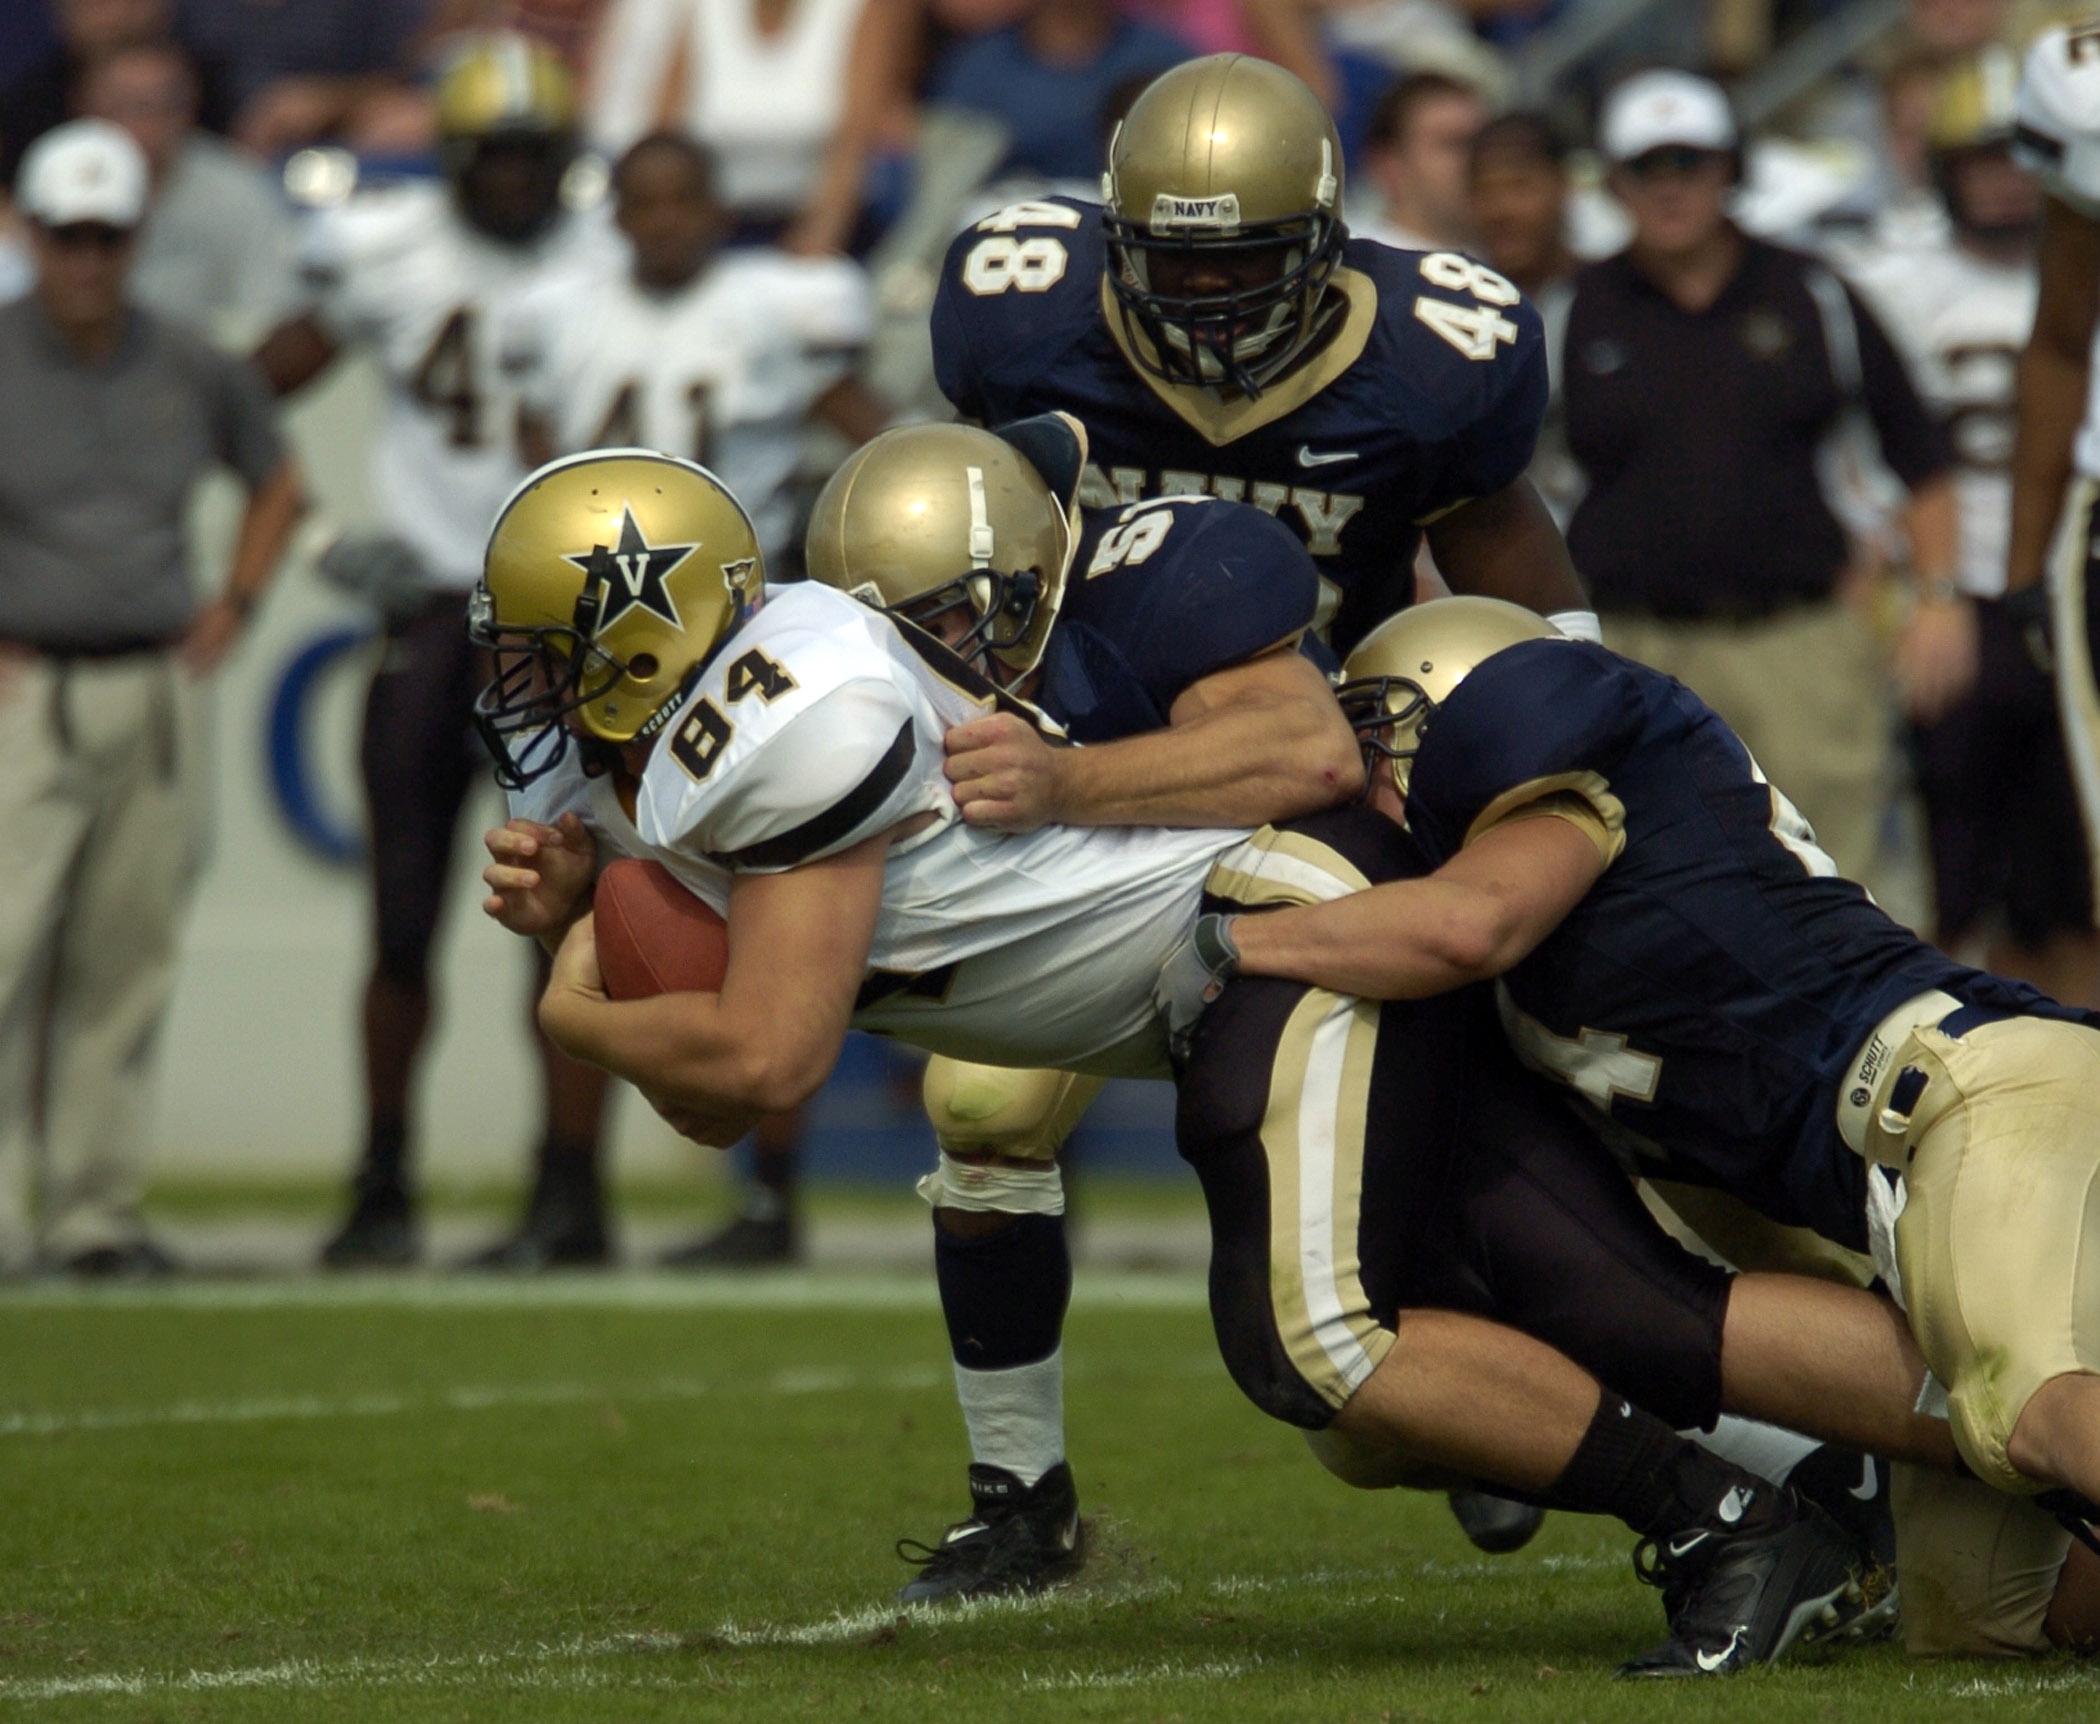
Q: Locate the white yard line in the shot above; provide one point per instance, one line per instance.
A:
(641, 1290)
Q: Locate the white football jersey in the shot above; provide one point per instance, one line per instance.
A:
(2059, 139)
(819, 724)
(1960, 322)
(723, 372)
(401, 270)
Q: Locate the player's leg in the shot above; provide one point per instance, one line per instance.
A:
(1005, 1273)
(1322, 1129)
(2000, 1143)
(564, 1224)
(416, 768)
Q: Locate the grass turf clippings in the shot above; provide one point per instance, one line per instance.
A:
(634, 1499)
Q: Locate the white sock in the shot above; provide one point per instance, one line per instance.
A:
(1016, 1417)
(1766, 1450)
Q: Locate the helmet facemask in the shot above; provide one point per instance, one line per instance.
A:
(1003, 610)
(1390, 715)
(539, 678)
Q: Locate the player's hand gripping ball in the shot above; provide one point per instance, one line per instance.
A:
(655, 937)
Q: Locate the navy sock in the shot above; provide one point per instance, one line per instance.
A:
(1004, 1295)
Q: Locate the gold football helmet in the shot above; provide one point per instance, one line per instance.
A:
(506, 116)
(1406, 667)
(928, 520)
(611, 578)
(1223, 201)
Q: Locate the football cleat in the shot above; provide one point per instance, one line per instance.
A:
(1495, 1524)
(1020, 1538)
(1738, 1599)
(380, 1232)
(555, 1236)
(748, 1242)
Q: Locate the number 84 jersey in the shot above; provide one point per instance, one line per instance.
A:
(1428, 393)
(401, 272)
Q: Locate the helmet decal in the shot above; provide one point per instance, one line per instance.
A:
(632, 573)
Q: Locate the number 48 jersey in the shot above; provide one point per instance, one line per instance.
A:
(401, 271)
(1427, 394)
(819, 724)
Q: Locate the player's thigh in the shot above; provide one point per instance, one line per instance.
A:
(1978, 1567)
(1999, 1232)
(1317, 1125)
(1554, 1230)
(1003, 1111)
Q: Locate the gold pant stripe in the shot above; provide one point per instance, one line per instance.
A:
(1276, 867)
(1313, 1140)
(2077, 701)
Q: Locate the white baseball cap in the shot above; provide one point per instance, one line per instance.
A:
(1655, 109)
(83, 171)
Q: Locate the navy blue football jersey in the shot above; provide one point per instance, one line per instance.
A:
(1707, 995)
(1428, 394)
(1160, 596)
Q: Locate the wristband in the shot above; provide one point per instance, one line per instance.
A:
(1214, 946)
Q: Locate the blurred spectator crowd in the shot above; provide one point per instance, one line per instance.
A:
(1849, 161)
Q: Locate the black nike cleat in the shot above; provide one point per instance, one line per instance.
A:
(1739, 1599)
(1853, 1490)
(1495, 1524)
(1021, 1538)
(380, 1231)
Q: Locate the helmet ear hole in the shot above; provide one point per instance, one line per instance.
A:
(642, 667)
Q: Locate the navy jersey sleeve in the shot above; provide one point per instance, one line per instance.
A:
(1546, 722)
(1023, 274)
(1496, 448)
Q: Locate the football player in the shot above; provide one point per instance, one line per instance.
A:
(1217, 331)
(1669, 942)
(417, 273)
(1174, 647)
(2003, 813)
(726, 357)
(781, 753)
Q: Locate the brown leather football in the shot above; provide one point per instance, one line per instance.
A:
(655, 937)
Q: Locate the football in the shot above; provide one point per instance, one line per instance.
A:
(655, 937)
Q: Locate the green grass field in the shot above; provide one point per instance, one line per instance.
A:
(643, 1498)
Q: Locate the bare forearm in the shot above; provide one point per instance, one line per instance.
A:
(1507, 547)
(2052, 403)
(691, 1049)
(1403, 941)
(266, 529)
(1242, 765)
(1931, 522)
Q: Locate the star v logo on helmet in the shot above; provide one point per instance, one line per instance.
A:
(641, 570)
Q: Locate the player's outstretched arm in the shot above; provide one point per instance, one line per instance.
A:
(539, 877)
(2053, 373)
(798, 950)
(1505, 546)
(1258, 742)
(1482, 912)
(294, 353)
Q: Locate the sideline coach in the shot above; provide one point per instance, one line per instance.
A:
(113, 417)
(1706, 374)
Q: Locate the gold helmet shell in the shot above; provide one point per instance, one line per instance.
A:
(499, 81)
(610, 577)
(1406, 667)
(1975, 103)
(926, 518)
(1224, 155)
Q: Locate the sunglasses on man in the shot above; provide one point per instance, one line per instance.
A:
(78, 235)
(1670, 161)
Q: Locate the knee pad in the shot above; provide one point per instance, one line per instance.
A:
(998, 1110)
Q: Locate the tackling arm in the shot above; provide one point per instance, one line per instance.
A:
(1257, 742)
(798, 949)
(2053, 374)
(1505, 546)
(1482, 912)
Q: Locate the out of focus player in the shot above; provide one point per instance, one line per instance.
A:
(726, 358)
(2009, 858)
(418, 274)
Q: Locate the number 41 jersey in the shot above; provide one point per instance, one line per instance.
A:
(401, 270)
(1428, 394)
(818, 724)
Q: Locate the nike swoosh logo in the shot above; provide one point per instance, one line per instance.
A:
(1684, 1546)
(1864, 1490)
(1712, 1661)
(1306, 457)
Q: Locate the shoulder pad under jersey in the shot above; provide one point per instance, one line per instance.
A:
(1024, 275)
(1537, 718)
(2058, 129)
(798, 741)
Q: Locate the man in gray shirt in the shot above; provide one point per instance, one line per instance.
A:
(113, 417)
